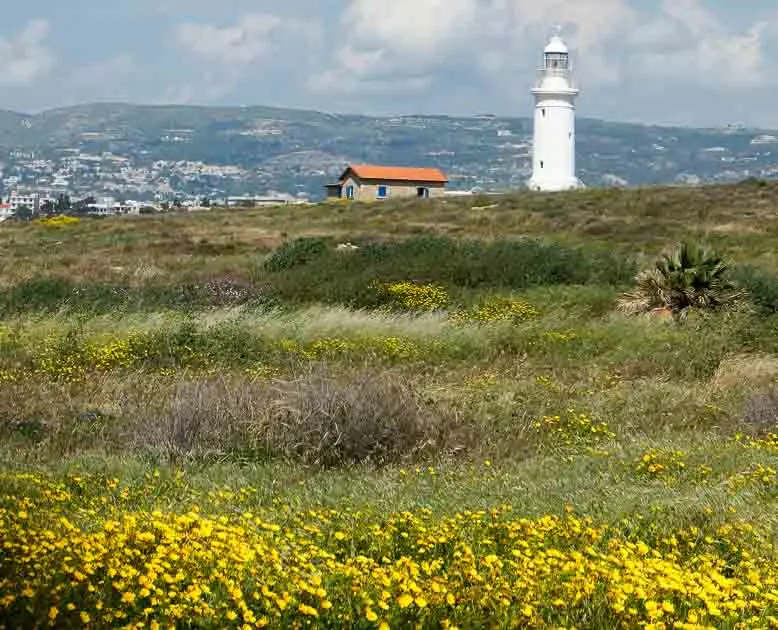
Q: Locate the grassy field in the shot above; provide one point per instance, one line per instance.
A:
(223, 419)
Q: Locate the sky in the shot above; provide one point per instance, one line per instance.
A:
(685, 62)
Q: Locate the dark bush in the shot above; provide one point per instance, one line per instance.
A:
(346, 277)
(294, 253)
(61, 294)
(752, 182)
(762, 287)
(54, 294)
(36, 294)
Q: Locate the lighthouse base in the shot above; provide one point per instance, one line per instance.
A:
(554, 185)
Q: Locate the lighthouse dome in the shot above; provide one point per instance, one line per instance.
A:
(556, 46)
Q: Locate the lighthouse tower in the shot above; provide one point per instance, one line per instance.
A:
(553, 159)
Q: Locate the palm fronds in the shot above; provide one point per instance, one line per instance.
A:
(690, 277)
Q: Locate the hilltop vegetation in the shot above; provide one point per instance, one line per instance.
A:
(231, 418)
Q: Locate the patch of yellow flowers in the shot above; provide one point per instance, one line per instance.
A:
(759, 476)
(410, 296)
(573, 428)
(70, 558)
(381, 347)
(418, 297)
(59, 220)
(73, 362)
(768, 442)
(658, 462)
(498, 309)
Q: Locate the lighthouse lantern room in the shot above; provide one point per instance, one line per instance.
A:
(553, 154)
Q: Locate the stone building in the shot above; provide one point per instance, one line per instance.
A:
(367, 182)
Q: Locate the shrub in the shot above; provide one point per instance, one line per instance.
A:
(761, 287)
(761, 413)
(206, 419)
(443, 261)
(313, 418)
(227, 291)
(752, 182)
(690, 277)
(374, 419)
(35, 294)
(61, 294)
(294, 253)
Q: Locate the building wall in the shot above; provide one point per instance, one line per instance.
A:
(32, 202)
(351, 181)
(553, 160)
(368, 190)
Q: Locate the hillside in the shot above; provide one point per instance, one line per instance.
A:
(299, 151)
(224, 418)
(739, 219)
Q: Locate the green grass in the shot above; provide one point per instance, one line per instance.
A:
(222, 351)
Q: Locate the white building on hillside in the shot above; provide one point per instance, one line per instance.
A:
(108, 206)
(32, 201)
(553, 158)
(256, 201)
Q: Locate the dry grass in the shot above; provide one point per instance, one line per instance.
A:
(736, 219)
(761, 414)
(375, 418)
(315, 417)
(746, 370)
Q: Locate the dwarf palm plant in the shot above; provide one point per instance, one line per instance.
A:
(691, 277)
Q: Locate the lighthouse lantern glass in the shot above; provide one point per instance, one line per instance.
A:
(557, 61)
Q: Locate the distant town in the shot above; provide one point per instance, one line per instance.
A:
(27, 205)
(47, 186)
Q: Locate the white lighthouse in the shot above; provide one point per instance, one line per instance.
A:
(553, 159)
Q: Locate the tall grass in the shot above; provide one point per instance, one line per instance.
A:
(60, 294)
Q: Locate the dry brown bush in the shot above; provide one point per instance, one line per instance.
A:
(374, 419)
(761, 413)
(752, 370)
(201, 419)
(314, 418)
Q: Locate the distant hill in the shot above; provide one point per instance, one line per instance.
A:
(299, 151)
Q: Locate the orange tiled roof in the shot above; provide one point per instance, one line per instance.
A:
(397, 173)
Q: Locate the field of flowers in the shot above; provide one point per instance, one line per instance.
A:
(228, 421)
(88, 550)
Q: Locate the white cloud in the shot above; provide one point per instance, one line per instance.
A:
(238, 45)
(688, 43)
(692, 15)
(501, 39)
(587, 23)
(409, 27)
(25, 57)
(494, 38)
(234, 55)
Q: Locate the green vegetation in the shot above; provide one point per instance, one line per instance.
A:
(691, 278)
(227, 419)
